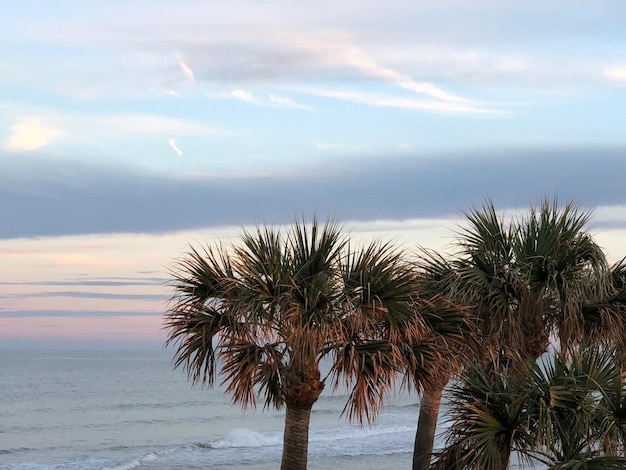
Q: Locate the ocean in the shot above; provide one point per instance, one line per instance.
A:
(126, 410)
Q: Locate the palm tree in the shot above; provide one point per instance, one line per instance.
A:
(450, 333)
(563, 265)
(527, 280)
(557, 411)
(273, 306)
(604, 313)
(530, 277)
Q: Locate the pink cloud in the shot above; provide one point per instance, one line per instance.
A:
(109, 328)
(80, 259)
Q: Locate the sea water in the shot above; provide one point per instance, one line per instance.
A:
(114, 410)
(127, 410)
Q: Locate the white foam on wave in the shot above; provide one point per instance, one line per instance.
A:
(241, 437)
(134, 463)
(78, 464)
(356, 432)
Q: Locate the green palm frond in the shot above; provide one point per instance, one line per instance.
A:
(593, 463)
(485, 268)
(379, 284)
(560, 260)
(263, 269)
(203, 285)
(487, 420)
(486, 237)
(535, 276)
(314, 254)
(559, 411)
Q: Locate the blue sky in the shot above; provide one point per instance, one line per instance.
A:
(129, 129)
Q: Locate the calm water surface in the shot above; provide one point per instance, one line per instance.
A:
(97, 410)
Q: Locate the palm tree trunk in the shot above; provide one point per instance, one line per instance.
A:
(505, 456)
(427, 426)
(296, 437)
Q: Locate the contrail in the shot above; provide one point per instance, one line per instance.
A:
(175, 147)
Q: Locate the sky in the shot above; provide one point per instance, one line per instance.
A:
(131, 129)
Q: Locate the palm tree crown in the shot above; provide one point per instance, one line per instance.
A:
(273, 306)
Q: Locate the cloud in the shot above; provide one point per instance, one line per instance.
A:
(243, 95)
(89, 295)
(336, 147)
(287, 102)
(81, 259)
(105, 282)
(615, 73)
(187, 72)
(71, 200)
(76, 314)
(249, 97)
(340, 49)
(29, 135)
(175, 147)
(309, 57)
(387, 101)
(92, 126)
(237, 94)
(424, 47)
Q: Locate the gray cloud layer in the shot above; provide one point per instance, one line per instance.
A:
(44, 198)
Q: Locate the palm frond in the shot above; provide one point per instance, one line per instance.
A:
(203, 284)
(250, 369)
(369, 369)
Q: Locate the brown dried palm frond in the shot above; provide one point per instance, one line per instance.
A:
(203, 284)
(251, 368)
(604, 315)
(369, 369)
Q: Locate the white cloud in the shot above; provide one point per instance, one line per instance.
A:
(243, 95)
(335, 147)
(374, 99)
(615, 73)
(287, 102)
(237, 94)
(249, 97)
(79, 127)
(338, 49)
(29, 135)
(187, 72)
(175, 147)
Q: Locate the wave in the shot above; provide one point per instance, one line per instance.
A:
(15, 450)
(357, 432)
(242, 437)
(151, 457)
